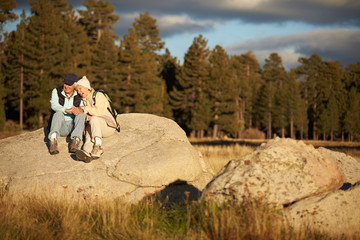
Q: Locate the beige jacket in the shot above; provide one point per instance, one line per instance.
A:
(99, 109)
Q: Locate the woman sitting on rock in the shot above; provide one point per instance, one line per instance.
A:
(100, 121)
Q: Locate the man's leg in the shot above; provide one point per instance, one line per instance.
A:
(77, 132)
(56, 125)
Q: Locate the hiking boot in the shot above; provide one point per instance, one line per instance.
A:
(75, 144)
(82, 155)
(53, 147)
(97, 151)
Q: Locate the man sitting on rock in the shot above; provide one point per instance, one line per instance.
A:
(67, 117)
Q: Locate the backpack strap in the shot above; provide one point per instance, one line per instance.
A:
(112, 110)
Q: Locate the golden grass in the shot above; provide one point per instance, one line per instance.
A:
(57, 219)
(218, 156)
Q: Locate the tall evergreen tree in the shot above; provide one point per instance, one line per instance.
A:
(15, 70)
(190, 85)
(169, 70)
(43, 50)
(6, 14)
(6, 6)
(333, 99)
(104, 59)
(224, 93)
(249, 82)
(148, 32)
(97, 18)
(77, 57)
(351, 123)
(141, 88)
(149, 87)
(310, 69)
(129, 65)
(274, 76)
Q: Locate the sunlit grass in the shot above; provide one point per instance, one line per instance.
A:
(101, 219)
(218, 156)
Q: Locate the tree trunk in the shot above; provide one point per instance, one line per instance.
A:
(292, 127)
(314, 123)
(269, 126)
(238, 116)
(215, 130)
(282, 132)
(332, 134)
(21, 117)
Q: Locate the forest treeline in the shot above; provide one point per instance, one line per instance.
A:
(209, 94)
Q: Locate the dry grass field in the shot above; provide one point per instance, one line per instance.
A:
(59, 219)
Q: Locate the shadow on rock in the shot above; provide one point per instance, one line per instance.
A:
(176, 192)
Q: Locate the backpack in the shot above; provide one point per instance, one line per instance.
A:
(112, 110)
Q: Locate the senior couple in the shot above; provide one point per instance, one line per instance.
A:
(73, 108)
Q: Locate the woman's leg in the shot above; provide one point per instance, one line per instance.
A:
(99, 129)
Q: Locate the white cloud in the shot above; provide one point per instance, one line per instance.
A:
(336, 44)
(236, 4)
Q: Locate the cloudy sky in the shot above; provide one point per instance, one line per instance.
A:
(291, 28)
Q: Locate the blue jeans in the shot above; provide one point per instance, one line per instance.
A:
(64, 128)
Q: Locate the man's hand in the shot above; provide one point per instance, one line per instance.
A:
(70, 110)
(76, 110)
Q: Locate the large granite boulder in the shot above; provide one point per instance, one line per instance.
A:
(151, 155)
(279, 172)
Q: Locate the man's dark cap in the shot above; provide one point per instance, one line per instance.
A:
(70, 79)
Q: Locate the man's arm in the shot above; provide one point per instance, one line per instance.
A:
(55, 102)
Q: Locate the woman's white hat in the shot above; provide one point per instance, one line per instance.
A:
(83, 82)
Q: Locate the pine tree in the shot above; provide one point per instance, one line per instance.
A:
(351, 123)
(129, 63)
(6, 6)
(43, 58)
(249, 81)
(152, 95)
(169, 70)
(329, 118)
(15, 70)
(104, 73)
(224, 94)
(148, 32)
(191, 81)
(141, 89)
(77, 57)
(333, 99)
(352, 114)
(310, 70)
(97, 18)
(149, 87)
(274, 76)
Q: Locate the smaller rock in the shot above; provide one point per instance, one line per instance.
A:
(279, 172)
(336, 213)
